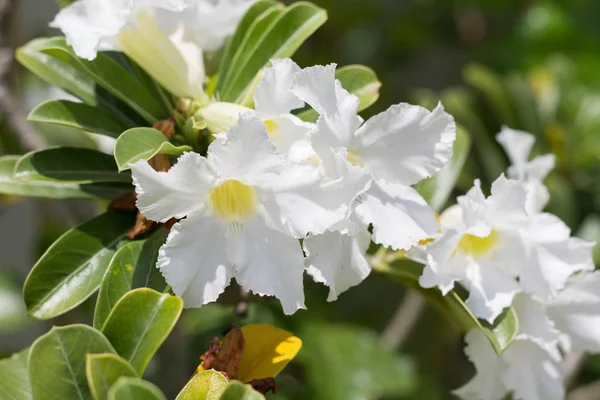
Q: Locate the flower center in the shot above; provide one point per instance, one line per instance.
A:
(233, 201)
(477, 246)
(271, 126)
(354, 158)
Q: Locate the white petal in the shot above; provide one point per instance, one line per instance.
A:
(534, 372)
(173, 194)
(274, 95)
(576, 311)
(540, 167)
(441, 268)
(194, 260)
(209, 23)
(400, 216)
(406, 143)
(221, 116)
(176, 65)
(490, 290)
(268, 263)
(306, 202)
(475, 211)
(246, 153)
(338, 260)
(508, 202)
(517, 145)
(534, 323)
(318, 87)
(553, 257)
(85, 23)
(291, 136)
(486, 385)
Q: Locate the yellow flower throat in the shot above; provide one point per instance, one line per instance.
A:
(477, 246)
(233, 201)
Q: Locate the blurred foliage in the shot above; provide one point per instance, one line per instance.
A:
(532, 65)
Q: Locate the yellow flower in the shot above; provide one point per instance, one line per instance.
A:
(265, 351)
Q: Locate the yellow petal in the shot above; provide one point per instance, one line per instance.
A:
(267, 351)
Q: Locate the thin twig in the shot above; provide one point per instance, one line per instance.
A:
(404, 319)
(591, 391)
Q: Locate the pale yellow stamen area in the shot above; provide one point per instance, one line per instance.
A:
(477, 246)
(271, 126)
(233, 201)
(354, 158)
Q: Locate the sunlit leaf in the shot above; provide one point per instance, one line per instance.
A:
(103, 370)
(206, 385)
(63, 351)
(78, 115)
(139, 323)
(142, 144)
(72, 268)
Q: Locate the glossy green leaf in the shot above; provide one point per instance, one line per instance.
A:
(143, 144)
(488, 83)
(72, 268)
(139, 323)
(236, 40)
(103, 370)
(112, 76)
(14, 378)
(55, 189)
(68, 164)
(207, 385)
(58, 72)
(437, 189)
(359, 80)
(500, 334)
(276, 38)
(57, 362)
(134, 389)
(133, 265)
(236, 390)
(364, 367)
(78, 115)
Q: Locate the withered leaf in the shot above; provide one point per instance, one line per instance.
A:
(230, 354)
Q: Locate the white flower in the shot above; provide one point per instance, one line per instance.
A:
(167, 38)
(209, 22)
(529, 367)
(496, 249)
(576, 312)
(517, 145)
(274, 101)
(244, 208)
(395, 149)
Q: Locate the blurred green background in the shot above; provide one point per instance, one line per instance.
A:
(532, 65)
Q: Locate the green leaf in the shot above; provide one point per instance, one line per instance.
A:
(358, 80)
(55, 189)
(500, 334)
(103, 370)
(143, 144)
(14, 379)
(112, 76)
(488, 83)
(344, 362)
(78, 115)
(58, 72)
(236, 390)
(524, 105)
(206, 385)
(139, 323)
(235, 42)
(278, 36)
(69, 165)
(57, 362)
(72, 268)
(133, 265)
(437, 189)
(13, 314)
(134, 389)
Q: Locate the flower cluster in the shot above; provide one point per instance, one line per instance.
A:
(505, 251)
(167, 38)
(273, 179)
